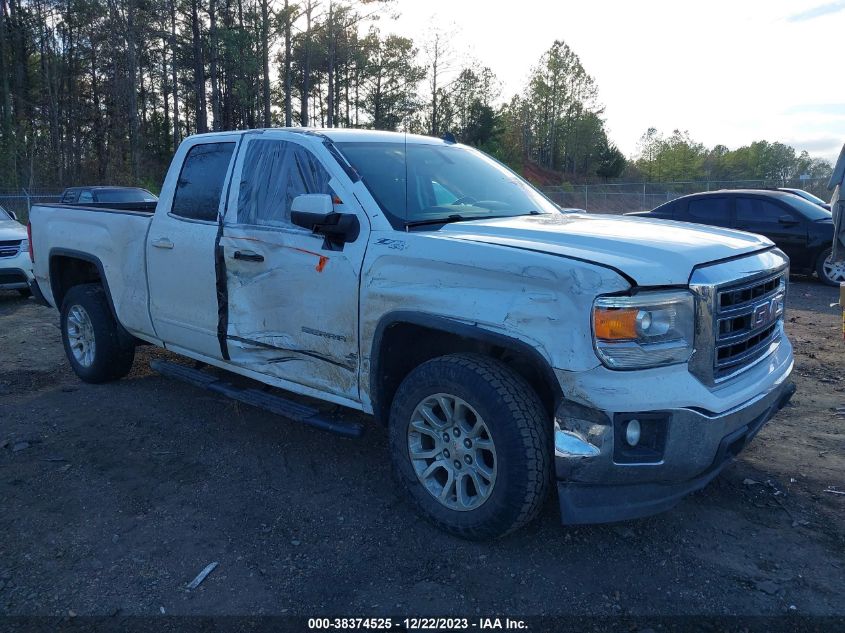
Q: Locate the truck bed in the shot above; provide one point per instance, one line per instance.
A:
(111, 239)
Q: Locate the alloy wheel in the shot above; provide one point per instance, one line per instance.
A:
(452, 452)
(80, 335)
(834, 271)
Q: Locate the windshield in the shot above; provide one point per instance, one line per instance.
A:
(808, 209)
(4, 215)
(422, 183)
(124, 195)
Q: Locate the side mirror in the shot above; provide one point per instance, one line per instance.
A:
(315, 211)
(13, 214)
(319, 203)
(787, 220)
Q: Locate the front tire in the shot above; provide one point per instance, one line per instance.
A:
(471, 445)
(25, 292)
(830, 272)
(98, 349)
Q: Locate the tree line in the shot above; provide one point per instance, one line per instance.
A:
(97, 91)
(677, 157)
(103, 91)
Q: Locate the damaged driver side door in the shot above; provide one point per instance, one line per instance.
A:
(292, 305)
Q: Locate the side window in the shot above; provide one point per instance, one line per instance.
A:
(69, 196)
(200, 184)
(746, 211)
(770, 213)
(86, 196)
(756, 211)
(710, 211)
(274, 173)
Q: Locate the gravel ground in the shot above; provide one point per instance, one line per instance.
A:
(113, 497)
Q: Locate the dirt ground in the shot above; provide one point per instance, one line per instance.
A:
(113, 497)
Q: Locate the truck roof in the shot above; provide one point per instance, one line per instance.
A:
(103, 188)
(341, 135)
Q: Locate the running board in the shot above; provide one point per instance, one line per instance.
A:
(257, 398)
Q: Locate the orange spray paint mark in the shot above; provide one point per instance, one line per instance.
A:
(320, 264)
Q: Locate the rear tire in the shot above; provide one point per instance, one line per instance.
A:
(493, 476)
(25, 292)
(98, 349)
(829, 273)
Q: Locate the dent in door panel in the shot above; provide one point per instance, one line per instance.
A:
(274, 304)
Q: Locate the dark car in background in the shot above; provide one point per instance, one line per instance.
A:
(124, 198)
(807, 196)
(800, 228)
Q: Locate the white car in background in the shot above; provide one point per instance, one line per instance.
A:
(15, 264)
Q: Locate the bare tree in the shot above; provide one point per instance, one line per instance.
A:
(287, 19)
(440, 57)
(176, 135)
(213, 65)
(265, 44)
(199, 70)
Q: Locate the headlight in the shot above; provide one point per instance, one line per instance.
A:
(646, 330)
(24, 247)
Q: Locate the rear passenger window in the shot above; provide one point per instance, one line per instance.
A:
(710, 211)
(200, 184)
(274, 173)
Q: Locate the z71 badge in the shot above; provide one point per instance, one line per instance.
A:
(399, 245)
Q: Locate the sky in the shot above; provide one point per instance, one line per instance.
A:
(729, 72)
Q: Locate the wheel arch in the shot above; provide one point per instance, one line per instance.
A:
(404, 340)
(70, 268)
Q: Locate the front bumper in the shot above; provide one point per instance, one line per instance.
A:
(15, 272)
(596, 484)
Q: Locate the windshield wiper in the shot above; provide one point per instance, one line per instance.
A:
(457, 217)
(449, 218)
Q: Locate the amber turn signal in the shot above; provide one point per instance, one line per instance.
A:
(615, 324)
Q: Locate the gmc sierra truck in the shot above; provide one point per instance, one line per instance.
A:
(508, 346)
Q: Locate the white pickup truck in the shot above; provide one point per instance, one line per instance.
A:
(508, 346)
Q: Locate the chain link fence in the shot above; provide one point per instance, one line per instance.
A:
(619, 198)
(19, 201)
(615, 198)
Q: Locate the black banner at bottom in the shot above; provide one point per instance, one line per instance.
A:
(558, 624)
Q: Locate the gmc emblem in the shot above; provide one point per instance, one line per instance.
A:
(766, 312)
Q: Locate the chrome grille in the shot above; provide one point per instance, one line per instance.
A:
(749, 319)
(9, 248)
(739, 314)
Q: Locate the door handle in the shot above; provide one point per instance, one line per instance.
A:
(249, 256)
(162, 242)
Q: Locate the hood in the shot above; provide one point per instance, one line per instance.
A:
(652, 252)
(12, 230)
